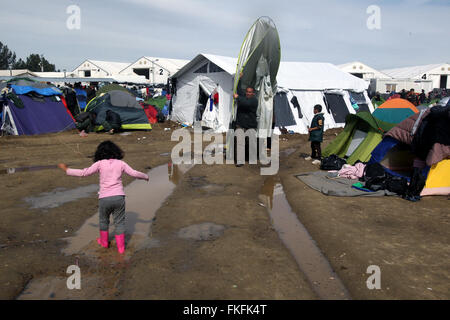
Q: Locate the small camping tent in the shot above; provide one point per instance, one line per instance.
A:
(31, 108)
(395, 110)
(362, 133)
(113, 86)
(438, 180)
(131, 113)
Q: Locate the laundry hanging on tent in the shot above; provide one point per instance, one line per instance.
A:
(294, 101)
(354, 104)
(213, 99)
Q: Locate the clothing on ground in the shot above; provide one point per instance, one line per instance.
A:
(324, 182)
(352, 172)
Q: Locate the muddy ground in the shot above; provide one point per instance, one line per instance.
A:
(212, 237)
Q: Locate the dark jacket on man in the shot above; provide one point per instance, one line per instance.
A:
(246, 112)
(317, 121)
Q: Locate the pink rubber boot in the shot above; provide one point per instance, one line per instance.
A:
(103, 240)
(120, 240)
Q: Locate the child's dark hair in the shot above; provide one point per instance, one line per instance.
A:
(108, 150)
(318, 107)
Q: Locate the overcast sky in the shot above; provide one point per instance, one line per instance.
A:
(413, 32)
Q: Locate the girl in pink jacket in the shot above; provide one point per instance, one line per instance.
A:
(108, 163)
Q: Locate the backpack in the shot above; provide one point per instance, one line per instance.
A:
(398, 185)
(375, 177)
(332, 162)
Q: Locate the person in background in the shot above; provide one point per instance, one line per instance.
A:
(412, 97)
(422, 97)
(90, 92)
(316, 135)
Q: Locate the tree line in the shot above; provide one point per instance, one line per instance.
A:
(34, 62)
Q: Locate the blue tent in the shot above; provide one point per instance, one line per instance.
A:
(81, 98)
(34, 108)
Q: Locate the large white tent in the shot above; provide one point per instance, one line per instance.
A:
(98, 68)
(437, 73)
(310, 83)
(155, 69)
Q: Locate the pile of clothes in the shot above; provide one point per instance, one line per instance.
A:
(426, 134)
(373, 177)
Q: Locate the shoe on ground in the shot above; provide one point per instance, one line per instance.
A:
(308, 158)
(316, 162)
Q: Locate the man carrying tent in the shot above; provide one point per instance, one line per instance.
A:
(247, 106)
(316, 134)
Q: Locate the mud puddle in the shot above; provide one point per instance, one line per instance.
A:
(143, 199)
(59, 196)
(27, 168)
(55, 288)
(201, 232)
(296, 238)
(287, 152)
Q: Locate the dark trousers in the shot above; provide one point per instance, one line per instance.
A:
(114, 206)
(247, 152)
(316, 151)
(269, 139)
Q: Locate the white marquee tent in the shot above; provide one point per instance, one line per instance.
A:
(310, 83)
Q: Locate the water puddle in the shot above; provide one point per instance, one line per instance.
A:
(202, 232)
(287, 152)
(27, 168)
(296, 238)
(143, 199)
(59, 196)
(55, 288)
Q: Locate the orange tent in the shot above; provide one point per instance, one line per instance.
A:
(399, 103)
(395, 110)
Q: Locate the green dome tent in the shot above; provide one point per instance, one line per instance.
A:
(113, 86)
(362, 133)
(131, 113)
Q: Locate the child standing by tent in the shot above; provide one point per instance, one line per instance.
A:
(316, 134)
(107, 161)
